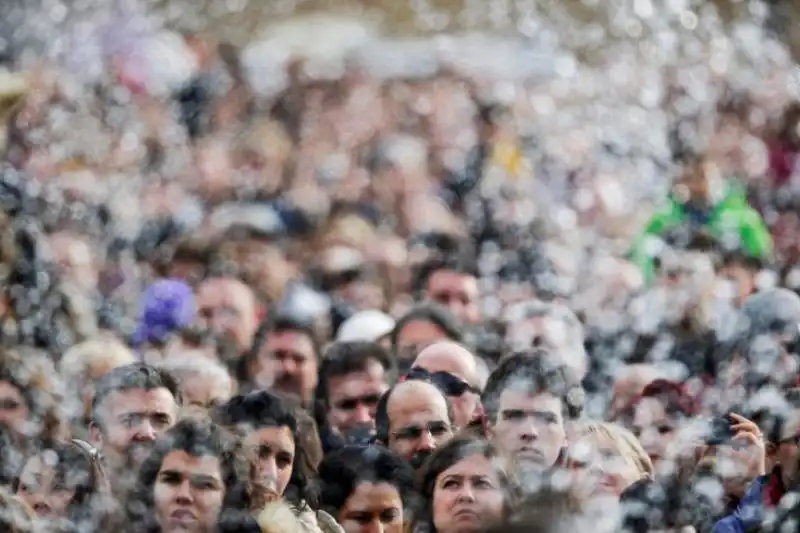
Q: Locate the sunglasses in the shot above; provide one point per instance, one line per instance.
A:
(447, 382)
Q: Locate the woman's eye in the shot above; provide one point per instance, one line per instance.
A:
(450, 484)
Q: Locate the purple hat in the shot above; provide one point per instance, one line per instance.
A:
(167, 305)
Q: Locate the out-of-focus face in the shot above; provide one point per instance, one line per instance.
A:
(654, 428)
(453, 367)
(230, 308)
(44, 490)
(468, 496)
(188, 493)
(275, 449)
(742, 281)
(372, 508)
(416, 335)
(353, 398)
(130, 422)
(600, 466)
(74, 260)
(287, 363)
(206, 390)
(458, 292)
(13, 408)
(530, 428)
(418, 421)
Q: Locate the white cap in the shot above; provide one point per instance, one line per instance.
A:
(368, 326)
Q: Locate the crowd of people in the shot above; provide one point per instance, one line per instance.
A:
(381, 305)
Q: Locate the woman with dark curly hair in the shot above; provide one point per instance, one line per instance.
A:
(66, 484)
(197, 476)
(466, 485)
(367, 488)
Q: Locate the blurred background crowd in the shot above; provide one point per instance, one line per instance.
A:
(397, 289)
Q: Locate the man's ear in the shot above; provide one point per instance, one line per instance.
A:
(95, 436)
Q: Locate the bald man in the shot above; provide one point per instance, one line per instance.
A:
(454, 370)
(413, 418)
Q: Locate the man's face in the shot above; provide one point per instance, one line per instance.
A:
(130, 422)
(352, 398)
(418, 422)
(229, 306)
(530, 428)
(415, 336)
(458, 292)
(787, 452)
(288, 363)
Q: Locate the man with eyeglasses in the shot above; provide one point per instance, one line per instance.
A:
(413, 419)
(454, 370)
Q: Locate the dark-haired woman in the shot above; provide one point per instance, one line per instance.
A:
(466, 485)
(367, 488)
(197, 476)
(283, 440)
(66, 486)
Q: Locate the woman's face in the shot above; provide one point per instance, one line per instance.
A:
(46, 490)
(467, 496)
(372, 507)
(599, 464)
(654, 428)
(13, 409)
(188, 493)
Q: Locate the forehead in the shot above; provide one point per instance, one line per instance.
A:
(416, 402)
(181, 461)
(7, 390)
(378, 496)
(449, 361)
(420, 332)
(444, 279)
(473, 465)
(373, 377)
(223, 292)
(527, 401)
(290, 341)
(277, 438)
(140, 400)
(648, 411)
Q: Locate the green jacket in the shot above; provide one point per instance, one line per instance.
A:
(732, 216)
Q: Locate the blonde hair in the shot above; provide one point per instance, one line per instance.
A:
(80, 365)
(623, 440)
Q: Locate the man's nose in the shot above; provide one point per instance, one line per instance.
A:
(426, 440)
(288, 366)
(528, 431)
(145, 432)
(362, 414)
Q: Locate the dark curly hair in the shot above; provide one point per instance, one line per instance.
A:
(243, 492)
(344, 469)
(263, 409)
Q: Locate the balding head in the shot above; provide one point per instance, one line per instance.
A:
(451, 366)
(450, 357)
(412, 419)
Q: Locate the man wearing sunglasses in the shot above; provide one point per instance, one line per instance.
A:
(453, 369)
